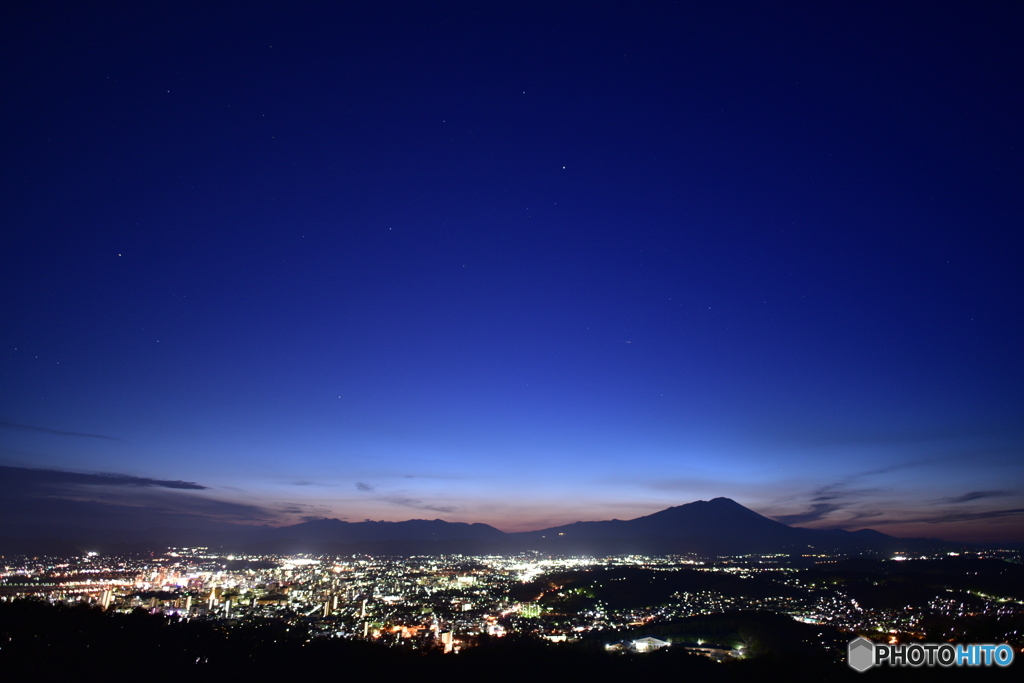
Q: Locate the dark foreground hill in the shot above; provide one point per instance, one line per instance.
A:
(51, 643)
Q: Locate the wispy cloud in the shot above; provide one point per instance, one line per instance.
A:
(977, 495)
(848, 495)
(30, 496)
(34, 496)
(419, 504)
(405, 502)
(33, 476)
(292, 508)
(953, 516)
(59, 432)
(817, 511)
(911, 464)
(856, 499)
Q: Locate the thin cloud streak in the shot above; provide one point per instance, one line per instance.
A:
(29, 476)
(59, 432)
(817, 511)
(413, 503)
(955, 517)
(419, 505)
(977, 495)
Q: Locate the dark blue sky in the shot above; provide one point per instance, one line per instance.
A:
(517, 263)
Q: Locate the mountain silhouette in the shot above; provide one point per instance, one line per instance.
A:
(715, 527)
(720, 518)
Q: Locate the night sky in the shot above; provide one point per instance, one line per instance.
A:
(513, 263)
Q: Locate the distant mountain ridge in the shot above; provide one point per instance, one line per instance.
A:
(721, 518)
(714, 527)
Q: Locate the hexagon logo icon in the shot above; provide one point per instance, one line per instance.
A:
(860, 654)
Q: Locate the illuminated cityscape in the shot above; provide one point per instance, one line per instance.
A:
(450, 602)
